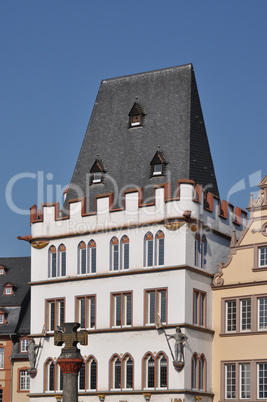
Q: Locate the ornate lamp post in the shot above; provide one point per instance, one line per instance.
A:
(70, 359)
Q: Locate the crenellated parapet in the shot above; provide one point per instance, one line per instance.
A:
(191, 201)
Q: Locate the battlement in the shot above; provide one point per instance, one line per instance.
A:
(191, 201)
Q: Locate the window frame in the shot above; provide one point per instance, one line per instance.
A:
(21, 341)
(92, 257)
(88, 378)
(123, 309)
(57, 313)
(52, 262)
(82, 258)
(88, 316)
(62, 260)
(159, 248)
(2, 358)
(199, 372)
(158, 306)
(199, 310)
(156, 359)
(49, 382)
(149, 250)
(114, 254)
(23, 371)
(125, 255)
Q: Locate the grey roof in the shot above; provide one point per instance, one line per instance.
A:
(17, 306)
(173, 121)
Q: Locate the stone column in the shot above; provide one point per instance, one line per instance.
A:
(70, 360)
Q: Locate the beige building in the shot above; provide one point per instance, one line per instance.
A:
(240, 312)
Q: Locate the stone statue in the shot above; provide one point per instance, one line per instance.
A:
(32, 353)
(180, 339)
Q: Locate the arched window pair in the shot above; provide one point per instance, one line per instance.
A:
(121, 370)
(119, 253)
(87, 258)
(199, 372)
(154, 249)
(57, 261)
(155, 371)
(200, 251)
(87, 376)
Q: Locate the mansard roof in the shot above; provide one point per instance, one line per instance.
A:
(173, 121)
(17, 306)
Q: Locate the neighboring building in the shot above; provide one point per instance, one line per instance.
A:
(15, 274)
(138, 238)
(240, 312)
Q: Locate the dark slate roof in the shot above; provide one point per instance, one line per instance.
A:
(17, 306)
(173, 121)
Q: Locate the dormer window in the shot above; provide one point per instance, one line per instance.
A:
(2, 318)
(8, 289)
(97, 171)
(2, 270)
(157, 164)
(136, 116)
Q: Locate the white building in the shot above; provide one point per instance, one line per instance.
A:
(138, 238)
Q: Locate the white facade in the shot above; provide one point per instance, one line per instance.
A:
(172, 284)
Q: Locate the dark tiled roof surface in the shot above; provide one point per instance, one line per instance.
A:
(173, 121)
(17, 306)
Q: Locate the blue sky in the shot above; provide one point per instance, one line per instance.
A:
(54, 55)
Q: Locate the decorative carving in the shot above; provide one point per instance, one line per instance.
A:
(259, 201)
(174, 225)
(255, 231)
(217, 279)
(25, 238)
(70, 337)
(39, 244)
(32, 372)
(70, 366)
(178, 366)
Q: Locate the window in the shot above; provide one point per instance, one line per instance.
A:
(121, 313)
(2, 351)
(24, 380)
(203, 251)
(136, 115)
(262, 380)
(52, 266)
(1, 396)
(24, 343)
(199, 308)
(127, 378)
(230, 381)
(155, 306)
(125, 252)
(59, 378)
(97, 172)
(121, 372)
(92, 372)
(199, 374)
(148, 250)
(245, 315)
(115, 373)
(55, 314)
(2, 318)
(157, 164)
(114, 250)
(245, 381)
(82, 258)
(92, 256)
(160, 248)
(50, 376)
(62, 260)
(231, 316)
(263, 256)
(85, 311)
(155, 369)
(81, 380)
(8, 289)
(262, 313)
(197, 250)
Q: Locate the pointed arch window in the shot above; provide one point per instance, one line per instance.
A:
(199, 371)
(155, 371)
(92, 256)
(160, 248)
(158, 164)
(52, 262)
(136, 116)
(91, 374)
(148, 250)
(116, 373)
(81, 381)
(194, 364)
(50, 376)
(197, 250)
(162, 371)
(62, 260)
(59, 378)
(82, 258)
(127, 377)
(114, 253)
(125, 247)
(203, 251)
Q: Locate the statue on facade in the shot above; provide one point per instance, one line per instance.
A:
(180, 339)
(32, 353)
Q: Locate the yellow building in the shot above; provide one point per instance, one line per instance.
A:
(240, 312)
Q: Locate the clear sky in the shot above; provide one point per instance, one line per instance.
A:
(54, 55)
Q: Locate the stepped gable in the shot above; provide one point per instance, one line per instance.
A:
(170, 121)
